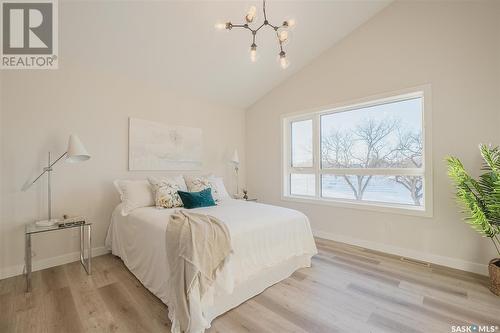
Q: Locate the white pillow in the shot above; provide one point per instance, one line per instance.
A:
(165, 191)
(200, 183)
(134, 194)
(218, 182)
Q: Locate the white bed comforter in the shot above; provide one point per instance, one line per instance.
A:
(262, 236)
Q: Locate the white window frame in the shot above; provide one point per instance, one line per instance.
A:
(286, 120)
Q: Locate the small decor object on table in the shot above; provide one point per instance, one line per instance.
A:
(245, 196)
(481, 201)
(76, 222)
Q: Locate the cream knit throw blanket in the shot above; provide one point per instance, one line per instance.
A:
(197, 248)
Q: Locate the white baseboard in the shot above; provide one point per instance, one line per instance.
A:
(431, 258)
(49, 262)
(427, 257)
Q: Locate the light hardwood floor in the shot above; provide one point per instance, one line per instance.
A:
(348, 289)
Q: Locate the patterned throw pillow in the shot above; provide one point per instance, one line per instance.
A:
(165, 191)
(200, 183)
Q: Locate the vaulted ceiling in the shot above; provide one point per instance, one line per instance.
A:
(175, 44)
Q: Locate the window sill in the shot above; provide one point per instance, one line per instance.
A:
(370, 206)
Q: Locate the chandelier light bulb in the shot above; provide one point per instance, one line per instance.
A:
(253, 53)
(290, 23)
(283, 36)
(284, 63)
(220, 26)
(252, 12)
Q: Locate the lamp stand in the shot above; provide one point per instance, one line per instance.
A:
(48, 169)
(49, 190)
(236, 170)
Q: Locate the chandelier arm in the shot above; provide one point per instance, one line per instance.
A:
(273, 26)
(264, 9)
(244, 26)
(281, 45)
(263, 24)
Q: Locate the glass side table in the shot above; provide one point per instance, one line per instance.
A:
(32, 229)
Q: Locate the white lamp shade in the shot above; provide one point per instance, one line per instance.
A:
(236, 158)
(76, 150)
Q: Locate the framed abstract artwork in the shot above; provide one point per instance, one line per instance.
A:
(156, 146)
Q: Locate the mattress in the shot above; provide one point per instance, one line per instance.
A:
(269, 244)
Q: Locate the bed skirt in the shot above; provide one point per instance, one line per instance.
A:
(245, 290)
(256, 284)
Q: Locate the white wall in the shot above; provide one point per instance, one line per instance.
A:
(41, 108)
(2, 242)
(454, 46)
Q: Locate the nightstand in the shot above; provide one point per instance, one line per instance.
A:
(32, 229)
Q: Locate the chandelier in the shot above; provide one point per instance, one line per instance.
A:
(281, 31)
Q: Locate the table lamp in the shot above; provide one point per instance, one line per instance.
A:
(75, 153)
(236, 162)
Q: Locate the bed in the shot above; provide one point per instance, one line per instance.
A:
(269, 244)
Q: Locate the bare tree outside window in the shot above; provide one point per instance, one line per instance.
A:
(371, 153)
(372, 138)
(409, 152)
(375, 143)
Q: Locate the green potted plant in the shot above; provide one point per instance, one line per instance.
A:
(481, 201)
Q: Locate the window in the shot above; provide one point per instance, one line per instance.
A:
(302, 154)
(369, 155)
